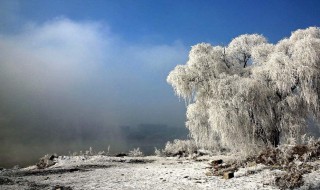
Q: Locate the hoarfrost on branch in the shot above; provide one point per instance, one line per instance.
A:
(251, 93)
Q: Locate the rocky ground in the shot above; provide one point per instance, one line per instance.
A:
(105, 172)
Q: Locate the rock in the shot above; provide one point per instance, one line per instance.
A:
(221, 169)
(121, 154)
(179, 154)
(208, 173)
(202, 152)
(5, 181)
(228, 175)
(59, 187)
(53, 156)
(216, 162)
(46, 161)
(250, 172)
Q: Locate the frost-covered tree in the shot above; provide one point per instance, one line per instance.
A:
(251, 93)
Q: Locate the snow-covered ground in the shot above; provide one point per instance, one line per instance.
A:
(103, 172)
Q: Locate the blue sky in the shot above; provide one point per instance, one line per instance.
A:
(190, 21)
(64, 63)
(130, 46)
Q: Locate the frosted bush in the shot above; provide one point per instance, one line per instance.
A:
(89, 152)
(135, 152)
(180, 147)
(158, 152)
(102, 153)
(108, 151)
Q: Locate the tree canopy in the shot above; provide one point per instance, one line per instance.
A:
(250, 93)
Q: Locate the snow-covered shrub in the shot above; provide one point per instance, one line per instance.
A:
(102, 153)
(46, 161)
(108, 151)
(158, 152)
(290, 180)
(294, 160)
(180, 148)
(286, 154)
(89, 152)
(250, 94)
(135, 152)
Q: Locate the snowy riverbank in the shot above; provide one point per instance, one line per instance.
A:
(103, 172)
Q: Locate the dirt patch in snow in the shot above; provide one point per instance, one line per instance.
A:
(6, 181)
(49, 171)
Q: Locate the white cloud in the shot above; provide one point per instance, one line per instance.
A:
(82, 67)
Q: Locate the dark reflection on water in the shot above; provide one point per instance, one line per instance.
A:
(24, 148)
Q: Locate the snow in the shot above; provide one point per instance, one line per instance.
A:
(103, 172)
